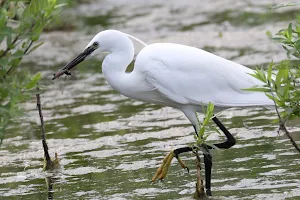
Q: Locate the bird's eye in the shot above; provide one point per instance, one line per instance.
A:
(95, 44)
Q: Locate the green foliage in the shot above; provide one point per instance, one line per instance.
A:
(206, 127)
(281, 82)
(21, 24)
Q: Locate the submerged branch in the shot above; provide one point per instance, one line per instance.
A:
(288, 134)
(45, 146)
(282, 123)
(199, 193)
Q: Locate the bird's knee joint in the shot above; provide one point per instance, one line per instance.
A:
(176, 153)
(231, 143)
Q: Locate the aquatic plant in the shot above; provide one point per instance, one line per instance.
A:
(282, 81)
(21, 24)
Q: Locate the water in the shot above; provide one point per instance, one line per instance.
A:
(110, 146)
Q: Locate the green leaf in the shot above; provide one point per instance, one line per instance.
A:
(278, 39)
(33, 81)
(18, 54)
(3, 110)
(270, 96)
(279, 77)
(21, 22)
(60, 5)
(35, 47)
(270, 71)
(286, 92)
(204, 127)
(296, 98)
(269, 34)
(9, 43)
(297, 30)
(3, 20)
(290, 32)
(257, 89)
(260, 75)
(4, 61)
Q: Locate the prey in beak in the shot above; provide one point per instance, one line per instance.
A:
(81, 57)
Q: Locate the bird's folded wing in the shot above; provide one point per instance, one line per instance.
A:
(212, 79)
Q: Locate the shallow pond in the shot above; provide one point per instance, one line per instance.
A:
(110, 146)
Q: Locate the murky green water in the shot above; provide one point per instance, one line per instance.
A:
(110, 146)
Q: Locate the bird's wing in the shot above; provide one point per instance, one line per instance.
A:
(188, 75)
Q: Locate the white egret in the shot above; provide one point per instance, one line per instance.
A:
(175, 75)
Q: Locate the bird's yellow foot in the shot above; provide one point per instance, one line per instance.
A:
(162, 171)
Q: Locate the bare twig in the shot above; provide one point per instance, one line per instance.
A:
(14, 42)
(45, 146)
(8, 48)
(283, 128)
(199, 193)
(49, 164)
(30, 44)
(282, 124)
(12, 67)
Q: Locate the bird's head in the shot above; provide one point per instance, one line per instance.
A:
(103, 42)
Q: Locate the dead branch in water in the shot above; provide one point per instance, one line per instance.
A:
(282, 125)
(288, 134)
(199, 193)
(49, 164)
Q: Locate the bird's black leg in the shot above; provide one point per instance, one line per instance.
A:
(230, 139)
(182, 150)
(179, 151)
(207, 166)
(208, 157)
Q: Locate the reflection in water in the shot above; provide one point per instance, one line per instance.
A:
(51, 179)
(49, 182)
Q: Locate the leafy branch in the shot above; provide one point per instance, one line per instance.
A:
(21, 24)
(205, 125)
(281, 82)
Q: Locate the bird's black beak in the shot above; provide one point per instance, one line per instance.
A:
(74, 62)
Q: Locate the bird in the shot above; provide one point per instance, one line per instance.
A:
(175, 75)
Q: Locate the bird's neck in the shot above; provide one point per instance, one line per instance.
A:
(114, 67)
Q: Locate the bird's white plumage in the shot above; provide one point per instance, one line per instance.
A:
(176, 75)
(188, 75)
